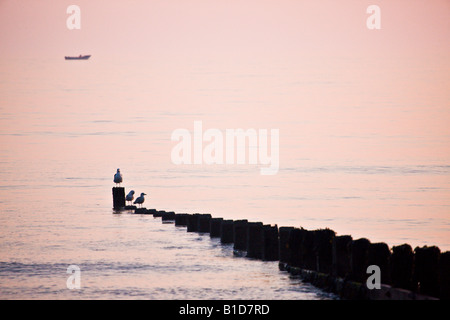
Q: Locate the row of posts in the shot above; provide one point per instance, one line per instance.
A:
(258, 240)
(424, 270)
(335, 263)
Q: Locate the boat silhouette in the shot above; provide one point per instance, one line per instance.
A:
(80, 57)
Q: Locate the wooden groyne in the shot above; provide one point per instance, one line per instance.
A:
(335, 263)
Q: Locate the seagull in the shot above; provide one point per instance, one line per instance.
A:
(118, 177)
(130, 196)
(140, 200)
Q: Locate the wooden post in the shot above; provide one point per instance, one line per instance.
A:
(168, 216)
(118, 197)
(444, 276)
(226, 231)
(341, 256)
(192, 223)
(307, 255)
(380, 255)
(402, 264)
(359, 259)
(240, 234)
(426, 270)
(181, 219)
(159, 213)
(255, 240)
(204, 222)
(285, 254)
(294, 243)
(271, 243)
(214, 227)
(323, 239)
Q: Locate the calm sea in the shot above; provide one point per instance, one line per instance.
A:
(358, 154)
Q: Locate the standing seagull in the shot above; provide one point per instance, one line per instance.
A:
(130, 196)
(140, 200)
(118, 177)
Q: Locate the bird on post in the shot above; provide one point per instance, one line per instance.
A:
(118, 177)
(130, 196)
(140, 200)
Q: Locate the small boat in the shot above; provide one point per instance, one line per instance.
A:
(80, 57)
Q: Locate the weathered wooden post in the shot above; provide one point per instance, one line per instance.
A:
(444, 276)
(192, 223)
(168, 217)
(181, 219)
(255, 240)
(204, 222)
(159, 213)
(271, 243)
(285, 254)
(307, 254)
(295, 242)
(359, 259)
(118, 197)
(240, 234)
(214, 227)
(341, 256)
(380, 255)
(323, 239)
(426, 270)
(226, 231)
(402, 264)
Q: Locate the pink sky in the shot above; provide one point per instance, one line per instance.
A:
(205, 29)
(243, 36)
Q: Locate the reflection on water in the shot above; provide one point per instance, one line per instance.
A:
(135, 257)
